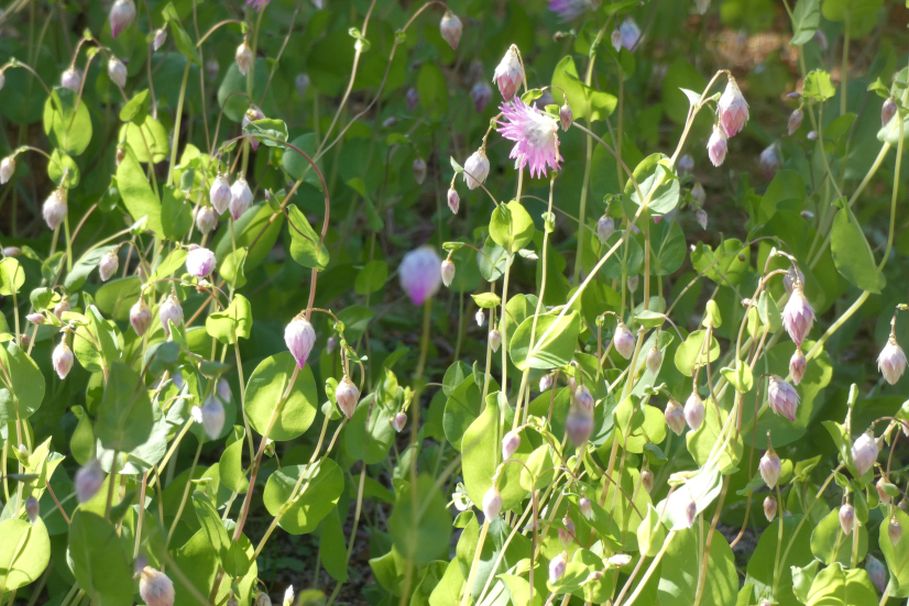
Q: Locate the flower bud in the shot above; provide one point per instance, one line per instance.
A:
(509, 73)
(480, 318)
(510, 444)
(7, 168)
(691, 513)
(884, 490)
(697, 193)
(200, 262)
(140, 317)
(88, 480)
(36, 318)
(565, 116)
(700, 215)
(213, 417)
(206, 219)
(629, 34)
(583, 398)
(864, 452)
(347, 395)
(476, 169)
(481, 95)
(419, 170)
(108, 265)
(121, 15)
(717, 146)
(170, 312)
(492, 503)
(654, 359)
(262, 599)
(61, 307)
(219, 194)
(782, 398)
(770, 159)
(798, 315)
(399, 421)
(623, 341)
(877, 572)
(891, 362)
(412, 98)
(288, 596)
(448, 272)
(685, 163)
(224, 390)
(732, 109)
(847, 518)
(647, 479)
(331, 344)
(62, 358)
(252, 114)
(770, 507)
(420, 274)
(795, 121)
(675, 417)
(71, 78)
(244, 57)
(451, 27)
(894, 530)
(160, 39)
(32, 509)
(302, 82)
(578, 426)
(155, 587)
(586, 508)
(546, 382)
(793, 276)
(566, 531)
(605, 228)
(116, 71)
(454, 200)
(54, 208)
(797, 365)
(769, 468)
(888, 110)
(241, 198)
(495, 339)
(557, 567)
(694, 410)
(300, 337)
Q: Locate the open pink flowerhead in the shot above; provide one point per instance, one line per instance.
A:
(535, 136)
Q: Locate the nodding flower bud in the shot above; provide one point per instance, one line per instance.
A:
(847, 518)
(795, 121)
(481, 95)
(769, 468)
(108, 265)
(894, 530)
(32, 509)
(399, 421)
(170, 312)
(412, 98)
(675, 417)
(565, 116)
(605, 228)
(54, 208)
(685, 163)
(732, 109)
(547, 381)
(579, 426)
(241, 198)
(155, 587)
(798, 315)
(121, 15)
(300, 337)
(7, 168)
(36, 318)
(510, 444)
(347, 395)
(583, 399)
(717, 146)
(420, 274)
(694, 410)
(697, 193)
(557, 567)
(206, 219)
(629, 34)
(891, 362)
(700, 215)
(864, 452)
(62, 358)
(244, 57)
(288, 596)
(219, 194)
(782, 398)
(159, 39)
(647, 479)
(654, 359)
(451, 27)
(797, 365)
(877, 572)
(200, 261)
(302, 82)
(448, 272)
(88, 480)
(495, 339)
(71, 78)
(586, 507)
(509, 73)
(882, 487)
(454, 200)
(769, 159)
(476, 169)
(623, 340)
(419, 169)
(140, 317)
(492, 503)
(116, 71)
(213, 417)
(566, 531)
(888, 110)
(770, 507)
(480, 318)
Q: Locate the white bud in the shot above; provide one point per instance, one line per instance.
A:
(160, 39)
(480, 318)
(7, 168)
(200, 262)
(299, 337)
(419, 169)
(206, 219)
(557, 567)
(88, 480)
(122, 14)
(116, 71)
(62, 358)
(547, 381)
(155, 587)
(244, 57)
(347, 395)
(623, 340)
(140, 317)
(108, 265)
(451, 27)
(492, 503)
(71, 78)
(54, 208)
(654, 359)
(170, 312)
(675, 417)
(448, 272)
(891, 362)
(399, 421)
(476, 169)
(510, 444)
(864, 452)
(241, 198)
(770, 507)
(694, 411)
(219, 194)
(213, 417)
(495, 339)
(847, 518)
(605, 228)
(770, 467)
(454, 200)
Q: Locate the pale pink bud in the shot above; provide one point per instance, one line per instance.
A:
(206, 219)
(108, 265)
(770, 467)
(770, 507)
(694, 411)
(605, 228)
(213, 417)
(795, 121)
(160, 39)
(797, 365)
(448, 272)
(717, 146)
(71, 78)
(492, 503)
(509, 73)
(732, 109)
(212, 67)
(451, 27)
(812, 134)
(578, 426)
(586, 507)
(36, 318)
(241, 198)
(116, 71)
(62, 358)
(347, 395)
(54, 209)
(300, 337)
(481, 95)
(546, 382)
(476, 169)
(565, 116)
(61, 307)
(864, 452)
(32, 509)
(891, 362)
(894, 530)
(155, 587)
(847, 518)
(510, 444)
(170, 312)
(200, 262)
(623, 340)
(877, 572)
(566, 531)
(675, 417)
(122, 14)
(647, 480)
(654, 359)
(88, 480)
(331, 344)
(7, 168)
(495, 339)
(219, 194)
(11, 251)
(399, 421)
(262, 599)
(244, 57)
(454, 200)
(140, 317)
(583, 398)
(798, 315)
(419, 170)
(888, 110)
(557, 567)
(420, 274)
(224, 390)
(881, 487)
(782, 398)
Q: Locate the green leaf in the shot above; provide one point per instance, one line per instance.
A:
(818, 86)
(63, 170)
(331, 535)
(369, 434)
(12, 276)
(298, 166)
(306, 248)
(852, 254)
(585, 102)
(371, 278)
(233, 323)
(24, 553)
(510, 226)
(693, 353)
(270, 131)
(232, 94)
(727, 264)
(264, 390)
(461, 408)
(84, 266)
(554, 344)
(125, 417)
(319, 486)
(739, 376)
(137, 194)
(805, 20)
(706, 440)
(896, 554)
(21, 385)
(657, 184)
(861, 15)
(668, 248)
(136, 108)
(233, 267)
(762, 563)
(837, 586)
(258, 230)
(419, 524)
(148, 140)
(67, 121)
(829, 544)
(182, 40)
(487, 300)
(681, 570)
(432, 89)
(100, 560)
(230, 467)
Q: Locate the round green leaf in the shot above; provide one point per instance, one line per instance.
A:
(264, 391)
(24, 553)
(419, 524)
(320, 487)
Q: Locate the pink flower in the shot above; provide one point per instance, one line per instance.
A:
(847, 518)
(420, 274)
(675, 417)
(732, 109)
(454, 200)
(570, 9)
(347, 395)
(716, 146)
(492, 503)
(509, 73)
(694, 411)
(623, 341)
(535, 134)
